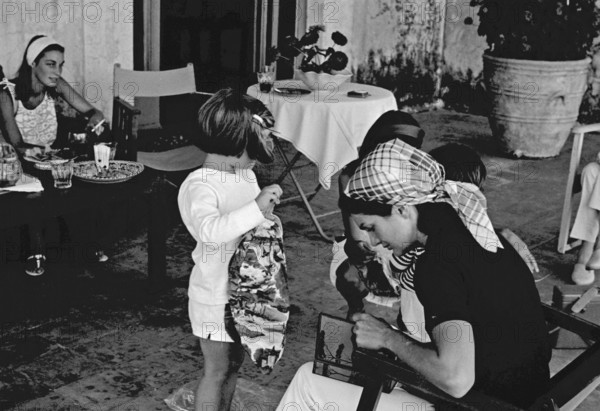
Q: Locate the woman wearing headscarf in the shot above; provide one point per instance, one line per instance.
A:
(482, 309)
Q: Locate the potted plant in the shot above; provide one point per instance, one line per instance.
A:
(320, 67)
(536, 69)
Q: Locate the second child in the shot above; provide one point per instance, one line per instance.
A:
(219, 203)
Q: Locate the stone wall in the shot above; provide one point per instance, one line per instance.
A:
(419, 49)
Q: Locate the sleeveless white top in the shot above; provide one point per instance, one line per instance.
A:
(39, 125)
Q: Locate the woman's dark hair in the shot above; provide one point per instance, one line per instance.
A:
(461, 163)
(391, 125)
(353, 206)
(431, 215)
(227, 126)
(23, 86)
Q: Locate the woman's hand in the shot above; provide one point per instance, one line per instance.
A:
(372, 333)
(268, 197)
(96, 118)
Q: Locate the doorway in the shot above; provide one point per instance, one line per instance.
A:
(225, 39)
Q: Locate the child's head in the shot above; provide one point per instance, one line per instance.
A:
(392, 124)
(231, 123)
(461, 163)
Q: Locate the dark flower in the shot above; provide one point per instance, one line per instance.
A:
(338, 38)
(314, 58)
(338, 60)
(311, 36)
(290, 47)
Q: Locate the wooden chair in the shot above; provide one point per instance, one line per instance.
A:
(568, 388)
(129, 86)
(565, 222)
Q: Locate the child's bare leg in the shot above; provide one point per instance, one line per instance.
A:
(217, 384)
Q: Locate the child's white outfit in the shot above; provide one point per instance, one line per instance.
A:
(217, 208)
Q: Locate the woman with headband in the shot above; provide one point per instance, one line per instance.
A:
(28, 114)
(482, 309)
(29, 118)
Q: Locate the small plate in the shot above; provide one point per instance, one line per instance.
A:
(118, 171)
(291, 91)
(44, 161)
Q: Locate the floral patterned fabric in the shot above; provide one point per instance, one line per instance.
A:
(259, 297)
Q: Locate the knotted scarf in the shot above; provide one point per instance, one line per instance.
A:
(397, 174)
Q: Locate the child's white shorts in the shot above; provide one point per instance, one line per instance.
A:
(211, 322)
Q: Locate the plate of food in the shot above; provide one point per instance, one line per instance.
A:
(43, 159)
(291, 91)
(118, 171)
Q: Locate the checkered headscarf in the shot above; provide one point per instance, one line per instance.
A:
(398, 174)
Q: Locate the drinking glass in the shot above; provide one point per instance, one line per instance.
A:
(266, 78)
(62, 173)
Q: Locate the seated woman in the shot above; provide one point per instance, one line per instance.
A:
(362, 272)
(587, 226)
(482, 309)
(358, 270)
(29, 116)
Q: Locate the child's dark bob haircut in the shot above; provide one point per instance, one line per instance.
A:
(461, 163)
(227, 126)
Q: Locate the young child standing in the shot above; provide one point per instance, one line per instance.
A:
(218, 204)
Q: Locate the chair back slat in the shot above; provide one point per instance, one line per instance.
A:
(129, 84)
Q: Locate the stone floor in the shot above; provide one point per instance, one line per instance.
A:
(96, 337)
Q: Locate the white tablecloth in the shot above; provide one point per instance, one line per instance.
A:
(326, 126)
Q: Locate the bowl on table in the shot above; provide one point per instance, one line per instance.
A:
(322, 81)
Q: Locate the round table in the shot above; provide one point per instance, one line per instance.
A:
(327, 126)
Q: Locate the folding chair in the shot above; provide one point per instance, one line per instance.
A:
(128, 132)
(567, 388)
(129, 85)
(565, 222)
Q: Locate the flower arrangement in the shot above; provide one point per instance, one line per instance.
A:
(551, 30)
(314, 58)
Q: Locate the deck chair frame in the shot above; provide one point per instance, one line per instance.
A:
(567, 388)
(565, 222)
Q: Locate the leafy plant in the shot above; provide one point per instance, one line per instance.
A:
(551, 30)
(314, 58)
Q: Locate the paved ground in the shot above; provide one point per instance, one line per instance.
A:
(94, 337)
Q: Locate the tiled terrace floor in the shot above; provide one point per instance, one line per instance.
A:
(95, 337)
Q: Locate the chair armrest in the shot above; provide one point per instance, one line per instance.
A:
(124, 129)
(379, 368)
(126, 106)
(588, 128)
(570, 322)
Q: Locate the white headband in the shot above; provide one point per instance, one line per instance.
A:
(37, 46)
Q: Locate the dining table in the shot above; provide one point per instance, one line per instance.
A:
(327, 126)
(19, 208)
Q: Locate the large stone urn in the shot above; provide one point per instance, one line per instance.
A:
(534, 104)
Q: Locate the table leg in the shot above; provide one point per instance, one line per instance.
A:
(157, 234)
(288, 170)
